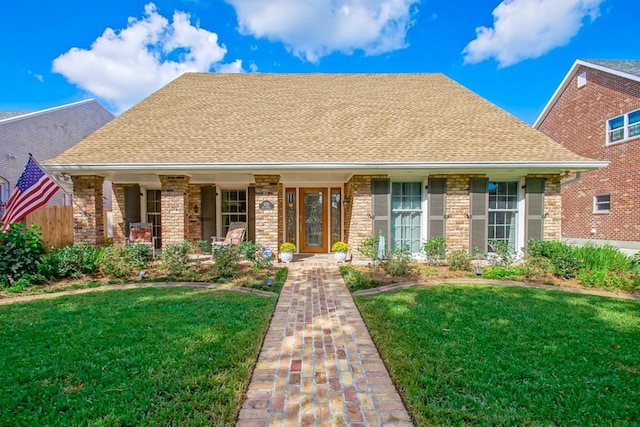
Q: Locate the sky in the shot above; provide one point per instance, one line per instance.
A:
(514, 53)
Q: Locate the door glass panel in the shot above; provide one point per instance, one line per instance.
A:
(336, 221)
(313, 219)
(291, 216)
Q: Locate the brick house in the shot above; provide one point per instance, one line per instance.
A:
(595, 112)
(317, 158)
(45, 134)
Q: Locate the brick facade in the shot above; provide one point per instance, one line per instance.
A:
(578, 120)
(88, 211)
(194, 230)
(269, 221)
(358, 224)
(174, 207)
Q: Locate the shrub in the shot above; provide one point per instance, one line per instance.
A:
(204, 246)
(502, 254)
(605, 257)
(355, 280)
(287, 247)
(436, 250)
(397, 262)
(71, 261)
(604, 279)
(20, 252)
(253, 252)
(502, 273)
(538, 268)
(175, 259)
(340, 247)
(368, 248)
(122, 261)
(459, 260)
(227, 261)
(566, 263)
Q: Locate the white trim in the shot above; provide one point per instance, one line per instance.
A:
(624, 128)
(595, 204)
(567, 78)
(45, 111)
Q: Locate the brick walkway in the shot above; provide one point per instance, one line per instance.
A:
(318, 365)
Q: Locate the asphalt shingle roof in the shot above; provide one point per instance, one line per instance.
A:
(314, 118)
(9, 114)
(625, 65)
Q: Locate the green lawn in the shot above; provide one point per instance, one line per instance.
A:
(492, 355)
(155, 356)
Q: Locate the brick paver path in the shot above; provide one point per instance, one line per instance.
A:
(318, 364)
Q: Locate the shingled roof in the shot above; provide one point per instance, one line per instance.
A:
(297, 119)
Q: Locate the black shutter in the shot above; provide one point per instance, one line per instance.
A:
(131, 206)
(251, 214)
(208, 209)
(479, 201)
(437, 194)
(380, 194)
(534, 200)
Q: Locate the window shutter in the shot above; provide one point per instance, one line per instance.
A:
(534, 200)
(380, 194)
(251, 214)
(479, 200)
(208, 209)
(131, 206)
(437, 197)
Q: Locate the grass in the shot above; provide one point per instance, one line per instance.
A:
(492, 355)
(278, 277)
(153, 356)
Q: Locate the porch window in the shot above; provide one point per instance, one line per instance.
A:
(406, 215)
(503, 212)
(233, 208)
(4, 194)
(154, 216)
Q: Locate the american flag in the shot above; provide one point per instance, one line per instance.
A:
(34, 189)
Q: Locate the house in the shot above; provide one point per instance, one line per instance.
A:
(316, 158)
(45, 134)
(595, 112)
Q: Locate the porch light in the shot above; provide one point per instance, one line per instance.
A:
(196, 209)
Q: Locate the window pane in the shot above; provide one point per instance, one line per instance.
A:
(616, 122)
(634, 117)
(406, 216)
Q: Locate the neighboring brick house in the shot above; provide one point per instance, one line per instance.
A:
(45, 134)
(316, 158)
(595, 112)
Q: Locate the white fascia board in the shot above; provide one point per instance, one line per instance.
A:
(45, 111)
(567, 79)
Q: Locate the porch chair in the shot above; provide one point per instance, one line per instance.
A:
(235, 235)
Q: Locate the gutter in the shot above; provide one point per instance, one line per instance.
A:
(573, 180)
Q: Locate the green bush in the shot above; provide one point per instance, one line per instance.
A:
(502, 254)
(123, 261)
(227, 261)
(368, 248)
(565, 261)
(602, 279)
(71, 261)
(459, 260)
(606, 258)
(436, 250)
(355, 280)
(20, 252)
(175, 260)
(538, 268)
(503, 273)
(397, 262)
(252, 252)
(204, 246)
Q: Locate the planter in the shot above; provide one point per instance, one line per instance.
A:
(340, 256)
(286, 257)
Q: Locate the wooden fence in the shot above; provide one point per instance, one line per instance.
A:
(56, 223)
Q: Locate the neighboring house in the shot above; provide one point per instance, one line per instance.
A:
(317, 158)
(45, 134)
(595, 112)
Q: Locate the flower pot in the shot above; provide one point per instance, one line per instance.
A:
(286, 257)
(340, 256)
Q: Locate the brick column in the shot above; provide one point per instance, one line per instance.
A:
(358, 224)
(117, 207)
(268, 227)
(173, 205)
(194, 232)
(88, 210)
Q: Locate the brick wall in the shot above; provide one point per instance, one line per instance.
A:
(88, 211)
(268, 221)
(578, 121)
(194, 230)
(117, 207)
(174, 205)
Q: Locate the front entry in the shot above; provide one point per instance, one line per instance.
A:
(313, 220)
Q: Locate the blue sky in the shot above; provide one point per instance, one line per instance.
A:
(512, 52)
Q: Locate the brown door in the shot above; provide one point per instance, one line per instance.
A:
(313, 220)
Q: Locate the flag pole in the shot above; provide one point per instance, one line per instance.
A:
(73, 200)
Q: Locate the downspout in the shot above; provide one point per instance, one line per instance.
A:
(573, 180)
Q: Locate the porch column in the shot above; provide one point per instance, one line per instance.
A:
(173, 206)
(88, 210)
(268, 209)
(194, 213)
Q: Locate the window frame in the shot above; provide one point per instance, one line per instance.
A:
(515, 211)
(625, 127)
(233, 215)
(597, 203)
(419, 210)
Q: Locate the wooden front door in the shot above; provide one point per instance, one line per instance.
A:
(313, 220)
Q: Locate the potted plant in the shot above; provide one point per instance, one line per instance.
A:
(286, 251)
(340, 250)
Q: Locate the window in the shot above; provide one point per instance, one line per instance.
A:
(503, 212)
(4, 194)
(602, 203)
(233, 208)
(582, 79)
(406, 215)
(623, 127)
(154, 215)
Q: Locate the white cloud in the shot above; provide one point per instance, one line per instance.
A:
(528, 29)
(38, 77)
(124, 66)
(313, 29)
